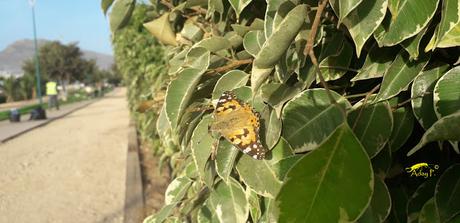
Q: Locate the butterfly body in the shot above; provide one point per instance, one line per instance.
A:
(237, 122)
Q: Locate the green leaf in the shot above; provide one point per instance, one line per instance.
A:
(254, 205)
(428, 213)
(272, 8)
(253, 41)
(198, 58)
(239, 5)
(372, 125)
(447, 93)
(380, 205)
(201, 144)
(403, 124)
(105, 4)
(277, 94)
(364, 20)
(412, 17)
(205, 215)
(281, 151)
(333, 183)
(377, 62)
(335, 66)
(225, 159)
(422, 94)
(176, 190)
(400, 75)
(412, 44)
(381, 163)
(191, 31)
(229, 202)
(121, 13)
(447, 193)
(215, 6)
(424, 193)
(449, 29)
(161, 215)
(279, 41)
(343, 8)
(264, 181)
(214, 44)
(229, 81)
(271, 129)
(445, 128)
(179, 94)
(161, 29)
(309, 118)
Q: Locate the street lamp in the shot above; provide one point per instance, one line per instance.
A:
(37, 64)
(38, 113)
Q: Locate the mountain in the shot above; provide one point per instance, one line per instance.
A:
(12, 57)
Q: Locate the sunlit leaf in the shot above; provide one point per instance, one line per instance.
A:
(412, 17)
(400, 74)
(364, 20)
(229, 202)
(201, 144)
(448, 34)
(120, 13)
(229, 81)
(179, 93)
(338, 172)
(161, 29)
(309, 118)
(447, 93)
(445, 128)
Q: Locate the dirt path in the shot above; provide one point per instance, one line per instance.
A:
(71, 170)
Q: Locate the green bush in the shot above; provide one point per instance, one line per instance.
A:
(351, 94)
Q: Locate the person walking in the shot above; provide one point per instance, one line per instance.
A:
(52, 92)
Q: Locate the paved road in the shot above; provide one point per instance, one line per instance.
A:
(71, 170)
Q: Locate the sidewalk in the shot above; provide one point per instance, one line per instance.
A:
(10, 130)
(72, 170)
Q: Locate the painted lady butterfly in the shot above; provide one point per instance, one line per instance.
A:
(237, 122)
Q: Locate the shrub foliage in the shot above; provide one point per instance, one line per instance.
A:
(351, 94)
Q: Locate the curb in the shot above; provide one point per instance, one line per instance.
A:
(134, 198)
(45, 122)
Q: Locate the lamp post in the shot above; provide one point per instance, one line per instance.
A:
(37, 64)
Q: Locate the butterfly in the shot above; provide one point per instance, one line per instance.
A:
(239, 123)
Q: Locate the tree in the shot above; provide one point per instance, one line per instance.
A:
(9, 88)
(60, 62)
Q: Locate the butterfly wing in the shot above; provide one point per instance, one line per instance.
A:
(240, 125)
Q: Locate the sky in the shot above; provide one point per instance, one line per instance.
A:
(64, 20)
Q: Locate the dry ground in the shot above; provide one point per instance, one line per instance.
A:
(71, 170)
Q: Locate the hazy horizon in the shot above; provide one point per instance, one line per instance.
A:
(77, 21)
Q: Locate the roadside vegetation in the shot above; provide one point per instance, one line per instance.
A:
(358, 102)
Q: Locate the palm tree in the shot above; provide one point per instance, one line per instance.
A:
(26, 85)
(9, 86)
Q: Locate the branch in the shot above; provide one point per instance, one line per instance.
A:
(229, 66)
(314, 27)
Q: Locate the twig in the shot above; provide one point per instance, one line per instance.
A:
(314, 27)
(229, 66)
(167, 4)
(368, 94)
(309, 48)
(340, 68)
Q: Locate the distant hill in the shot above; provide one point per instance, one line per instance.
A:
(12, 57)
